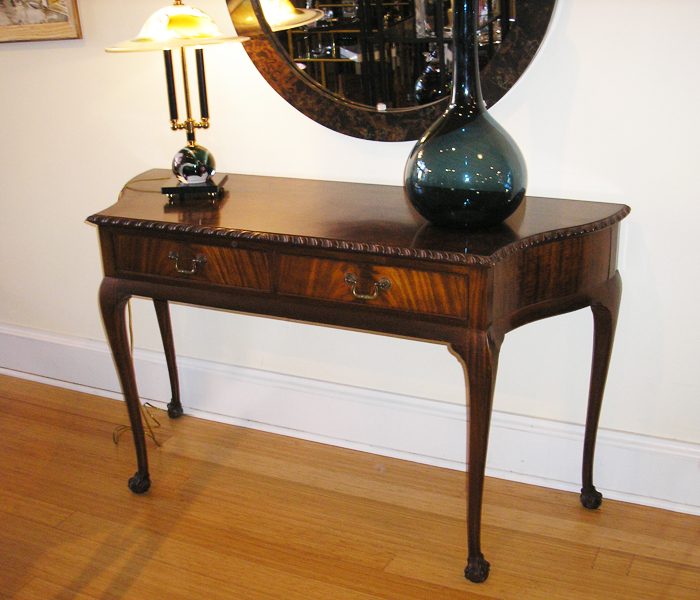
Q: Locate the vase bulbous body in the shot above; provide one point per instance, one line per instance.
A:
(466, 171)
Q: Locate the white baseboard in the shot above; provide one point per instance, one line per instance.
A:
(629, 467)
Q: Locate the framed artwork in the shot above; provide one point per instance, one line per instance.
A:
(38, 20)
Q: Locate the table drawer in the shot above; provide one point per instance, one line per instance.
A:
(193, 262)
(376, 285)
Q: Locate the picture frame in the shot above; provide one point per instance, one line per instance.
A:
(39, 20)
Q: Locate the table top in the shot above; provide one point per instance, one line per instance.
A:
(348, 216)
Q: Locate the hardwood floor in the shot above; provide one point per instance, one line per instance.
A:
(236, 513)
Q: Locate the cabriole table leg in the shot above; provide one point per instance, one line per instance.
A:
(166, 333)
(113, 307)
(480, 359)
(605, 306)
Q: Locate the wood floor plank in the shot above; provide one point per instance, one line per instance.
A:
(612, 561)
(601, 529)
(28, 508)
(40, 589)
(15, 565)
(231, 569)
(678, 574)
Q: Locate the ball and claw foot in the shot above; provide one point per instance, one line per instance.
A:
(139, 483)
(175, 409)
(477, 569)
(591, 498)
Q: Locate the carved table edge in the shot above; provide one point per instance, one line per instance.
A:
(388, 250)
(558, 234)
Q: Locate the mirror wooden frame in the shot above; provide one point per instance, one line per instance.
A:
(393, 125)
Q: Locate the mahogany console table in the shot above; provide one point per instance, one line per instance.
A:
(357, 256)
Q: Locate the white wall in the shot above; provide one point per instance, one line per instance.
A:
(607, 111)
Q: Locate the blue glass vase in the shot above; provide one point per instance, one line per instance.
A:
(466, 171)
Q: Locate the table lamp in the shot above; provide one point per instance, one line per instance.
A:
(179, 26)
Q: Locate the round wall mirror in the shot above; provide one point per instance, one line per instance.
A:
(381, 69)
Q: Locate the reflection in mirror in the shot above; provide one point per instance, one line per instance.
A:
(279, 14)
(392, 54)
(381, 69)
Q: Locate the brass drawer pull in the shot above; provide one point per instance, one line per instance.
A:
(199, 260)
(382, 284)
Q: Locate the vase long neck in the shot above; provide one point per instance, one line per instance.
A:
(466, 86)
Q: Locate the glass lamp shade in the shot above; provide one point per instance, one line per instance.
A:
(279, 14)
(173, 27)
